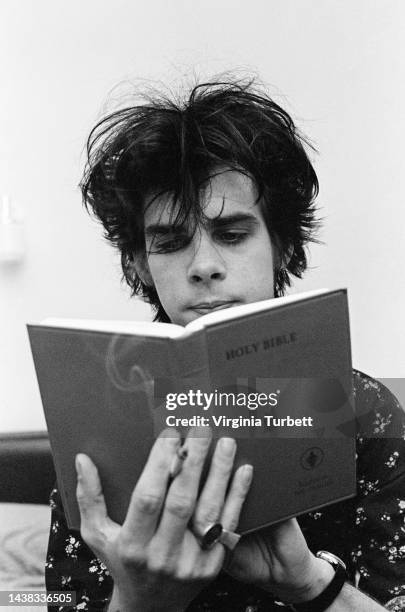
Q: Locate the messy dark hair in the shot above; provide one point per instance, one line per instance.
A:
(174, 146)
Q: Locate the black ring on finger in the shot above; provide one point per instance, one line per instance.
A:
(211, 536)
(216, 533)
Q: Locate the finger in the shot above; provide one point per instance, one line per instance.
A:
(211, 500)
(150, 491)
(89, 493)
(181, 498)
(236, 496)
(94, 520)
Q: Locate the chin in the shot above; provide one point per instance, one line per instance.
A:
(183, 318)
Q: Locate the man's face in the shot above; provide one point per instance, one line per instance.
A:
(228, 261)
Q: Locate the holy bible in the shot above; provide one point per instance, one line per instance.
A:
(276, 375)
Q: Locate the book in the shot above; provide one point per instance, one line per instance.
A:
(276, 375)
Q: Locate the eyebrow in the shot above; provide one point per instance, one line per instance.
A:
(164, 229)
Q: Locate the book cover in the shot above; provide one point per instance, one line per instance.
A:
(276, 375)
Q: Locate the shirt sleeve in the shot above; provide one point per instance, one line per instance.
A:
(379, 551)
(72, 566)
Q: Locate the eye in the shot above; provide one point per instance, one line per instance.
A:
(232, 236)
(169, 244)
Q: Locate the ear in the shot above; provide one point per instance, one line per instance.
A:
(142, 269)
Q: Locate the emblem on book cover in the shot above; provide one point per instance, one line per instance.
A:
(312, 458)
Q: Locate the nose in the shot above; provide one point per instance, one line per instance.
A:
(207, 263)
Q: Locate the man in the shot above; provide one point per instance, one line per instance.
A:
(210, 203)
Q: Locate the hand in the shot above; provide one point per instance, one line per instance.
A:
(278, 559)
(155, 559)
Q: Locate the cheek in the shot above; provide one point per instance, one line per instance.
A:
(260, 286)
(260, 262)
(159, 270)
(165, 280)
(258, 275)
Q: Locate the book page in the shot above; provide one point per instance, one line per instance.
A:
(169, 330)
(142, 328)
(227, 314)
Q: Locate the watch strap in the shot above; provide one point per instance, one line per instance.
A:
(328, 595)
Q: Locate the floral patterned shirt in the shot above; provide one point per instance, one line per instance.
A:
(367, 531)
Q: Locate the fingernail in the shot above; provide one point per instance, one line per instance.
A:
(79, 466)
(247, 472)
(175, 467)
(227, 445)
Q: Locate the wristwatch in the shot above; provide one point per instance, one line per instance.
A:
(328, 595)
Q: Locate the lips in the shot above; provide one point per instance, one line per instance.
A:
(206, 307)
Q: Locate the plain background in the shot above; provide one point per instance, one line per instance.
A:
(336, 65)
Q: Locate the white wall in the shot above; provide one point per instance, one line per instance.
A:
(338, 67)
